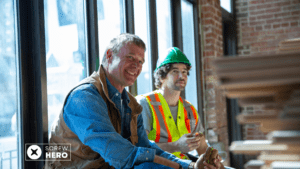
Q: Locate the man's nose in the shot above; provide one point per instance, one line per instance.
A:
(180, 74)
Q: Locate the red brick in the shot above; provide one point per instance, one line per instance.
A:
(208, 22)
(210, 35)
(258, 28)
(246, 53)
(259, 44)
(245, 34)
(257, 12)
(247, 29)
(267, 27)
(211, 105)
(256, 2)
(291, 8)
(250, 138)
(275, 26)
(267, 38)
(280, 4)
(244, 24)
(242, 20)
(254, 34)
(266, 49)
(209, 47)
(295, 2)
(207, 73)
(206, 9)
(251, 8)
(294, 24)
(210, 86)
(290, 30)
(293, 18)
(252, 18)
(208, 15)
(273, 21)
(272, 32)
(264, 6)
(243, 9)
(248, 40)
(274, 10)
(257, 23)
(285, 25)
(265, 16)
(282, 14)
(209, 41)
(271, 1)
(209, 53)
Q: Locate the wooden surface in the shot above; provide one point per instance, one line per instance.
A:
(273, 82)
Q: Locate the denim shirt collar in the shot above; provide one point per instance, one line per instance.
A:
(112, 92)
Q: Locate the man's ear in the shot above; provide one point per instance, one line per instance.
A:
(162, 80)
(109, 55)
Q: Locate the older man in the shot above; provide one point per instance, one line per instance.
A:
(101, 119)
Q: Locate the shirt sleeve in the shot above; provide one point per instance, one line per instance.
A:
(146, 113)
(86, 114)
(145, 142)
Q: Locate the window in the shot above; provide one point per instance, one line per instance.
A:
(188, 36)
(164, 31)
(110, 18)
(226, 4)
(65, 51)
(9, 107)
(144, 81)
(66, 56)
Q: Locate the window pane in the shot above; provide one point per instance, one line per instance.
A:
(9, 109)
(226, 4)
(144, 81)
(110, 17)
(164, 31)
(189, 50)
(65, 50)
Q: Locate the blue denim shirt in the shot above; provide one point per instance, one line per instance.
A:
(86, 114)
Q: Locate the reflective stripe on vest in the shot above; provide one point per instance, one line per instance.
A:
(160, 110)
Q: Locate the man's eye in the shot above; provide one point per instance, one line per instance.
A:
(140, 62)
(129, 57)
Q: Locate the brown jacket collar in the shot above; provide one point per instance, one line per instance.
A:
(133, 103)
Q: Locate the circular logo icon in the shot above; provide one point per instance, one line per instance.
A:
(34, 152)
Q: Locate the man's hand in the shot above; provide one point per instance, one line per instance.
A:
(202, 163)
(188, 142)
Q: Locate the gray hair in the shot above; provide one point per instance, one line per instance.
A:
(121, 40)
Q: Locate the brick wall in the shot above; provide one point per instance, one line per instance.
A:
(261, 25)
(210, 19)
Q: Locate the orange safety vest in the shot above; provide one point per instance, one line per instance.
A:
(162, 119)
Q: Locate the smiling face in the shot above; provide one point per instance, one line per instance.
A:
(124, 67)
(176, 78)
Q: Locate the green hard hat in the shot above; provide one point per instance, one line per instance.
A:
(173, 55)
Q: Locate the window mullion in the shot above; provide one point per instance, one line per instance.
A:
(33, 81)
(92, 36)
